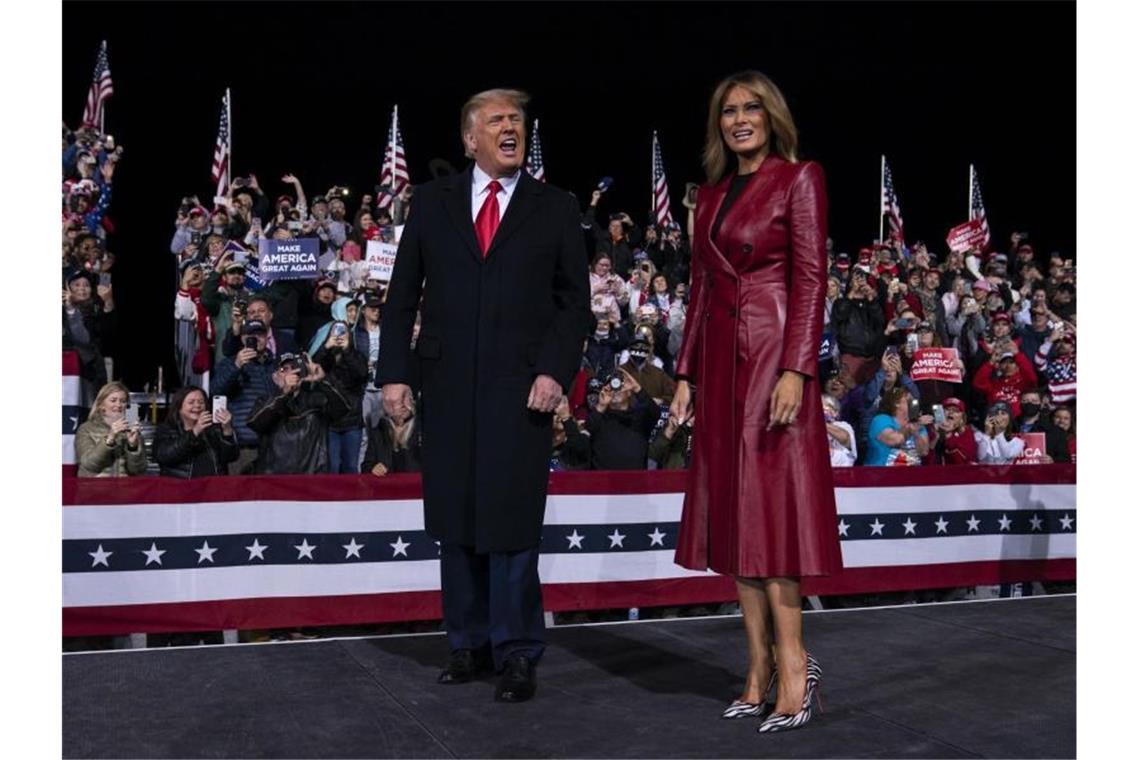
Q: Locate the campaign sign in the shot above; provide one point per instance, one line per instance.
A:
(294, 259)
(966, 236)
(936, 364)
(381, 257)
(1034, 448)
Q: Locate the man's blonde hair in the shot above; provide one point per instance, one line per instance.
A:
(517, 98)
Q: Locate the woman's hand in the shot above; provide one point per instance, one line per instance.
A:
(786, 399)
(682, 406)
(205, 419)
(379, 470)
(133, 437)
(224, 418)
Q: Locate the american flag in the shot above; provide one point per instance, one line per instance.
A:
(101, 89)
(395, 171)
(977, 210)
(534, 165)
(891, 204)
(221, 171)
(660, 187)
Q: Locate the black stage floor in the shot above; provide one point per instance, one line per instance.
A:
(976, 679)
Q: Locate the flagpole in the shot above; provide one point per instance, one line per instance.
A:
(230, 130)
(103, 109)
(653, 179)
(392, 145)
(970, 195)
(882, 180)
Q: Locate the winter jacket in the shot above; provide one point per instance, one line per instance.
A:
(858, 325)
(294, 429)
(672, 453)
(997, 450)
(181, 454)
(348, 371)
(620, 439)
(98, 460)
(381, 449)
(243, 387)
(574, 453)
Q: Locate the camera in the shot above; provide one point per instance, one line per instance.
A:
(250, 341)
(912, 411)
(295, 226)
(241, 182)
(241, 304)
(339, 329)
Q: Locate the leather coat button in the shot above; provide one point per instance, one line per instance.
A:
(747, 248)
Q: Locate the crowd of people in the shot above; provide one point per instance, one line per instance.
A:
(295, 359)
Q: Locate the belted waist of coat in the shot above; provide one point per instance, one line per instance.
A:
(766, 276)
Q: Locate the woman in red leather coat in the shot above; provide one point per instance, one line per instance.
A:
(759, 503)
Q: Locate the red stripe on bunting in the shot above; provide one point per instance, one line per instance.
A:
(150, 490)
(361, 609)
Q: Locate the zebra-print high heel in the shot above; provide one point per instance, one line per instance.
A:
(783, 721)
(741, 709)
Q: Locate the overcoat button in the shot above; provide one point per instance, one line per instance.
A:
(747, 248)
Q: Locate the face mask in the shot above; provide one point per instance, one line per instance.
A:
(1030, 410)
(218, 229)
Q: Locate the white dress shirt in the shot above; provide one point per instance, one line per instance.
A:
(479, 181)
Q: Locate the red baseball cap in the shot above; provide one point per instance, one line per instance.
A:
(954, 402)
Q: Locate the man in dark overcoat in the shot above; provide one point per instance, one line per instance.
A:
(499, 261)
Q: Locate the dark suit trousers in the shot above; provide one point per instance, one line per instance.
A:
(492, 600)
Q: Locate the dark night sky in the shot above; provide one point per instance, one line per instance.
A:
(935, 86)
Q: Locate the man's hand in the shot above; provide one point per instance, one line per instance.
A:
(630, 382)
(316, 372)
(595, 197)
(545, 393)
(289, 179)
(253, 182)
(398, 401)
(108, 170)
(786, 399)
(244, 357)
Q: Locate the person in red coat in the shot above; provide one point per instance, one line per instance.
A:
(759, 503)
(958, 445)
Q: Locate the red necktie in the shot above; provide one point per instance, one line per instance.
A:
(488, 219)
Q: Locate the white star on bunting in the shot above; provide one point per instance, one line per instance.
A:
(304, 550)
(1066, 522)
(154, 554)
(940, 525)
(206, 553)
(616, 539)
(843, 526)
(1004, 523)
(877, 527)
(1035, 522)
(657, 538)
(352, 549)
(100, 557)
(909, 526)
(256, 550)
(973, 522)
(575, 540)
(400, 547)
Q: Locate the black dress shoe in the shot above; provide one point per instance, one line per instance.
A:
(465, 665)
(518, 682)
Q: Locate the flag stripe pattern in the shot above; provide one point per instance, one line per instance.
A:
(401, 177)
(534, 165)
(661, 210)
(101, 89)
(977, 209)
(890, 205)
(220, 174)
